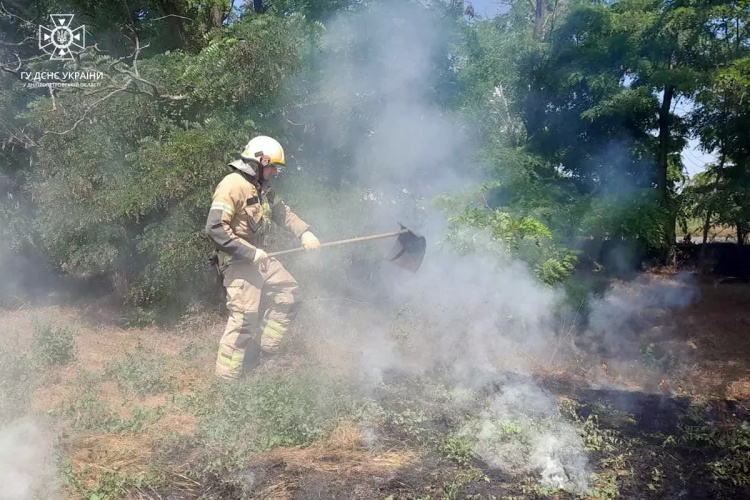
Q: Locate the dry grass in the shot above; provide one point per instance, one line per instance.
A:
(344, 452)
(709, 338)
(101, 452)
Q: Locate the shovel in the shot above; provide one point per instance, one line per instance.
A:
(407, 252)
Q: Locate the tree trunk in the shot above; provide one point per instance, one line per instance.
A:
(740, 233)
(706, 226)
(662, 169)
(175, 24)
(538, 19)
(218, 15)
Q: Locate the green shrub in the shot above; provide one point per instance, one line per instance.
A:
(15, 384)
(88, 413)
(293, 409)
(138, 373)
(54, 345)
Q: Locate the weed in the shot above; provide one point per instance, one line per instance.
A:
(88, 382)
(732, 447)
(141, 318)
(190, 351)
(661, 362)
(597, 439)
(414, 425)
(604, 487)
(15, 384)
(531, 486)
(88, 413)
(451, 490)
(657, 476)
(54, 345)
(459, 448)
(112, 484)
(138, 373)
(291, 409)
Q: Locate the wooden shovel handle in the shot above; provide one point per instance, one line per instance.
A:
(343, 242)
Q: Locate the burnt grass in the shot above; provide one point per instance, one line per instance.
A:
(654, 447)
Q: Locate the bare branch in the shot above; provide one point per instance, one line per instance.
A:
(171, 15)
(23, 21)
(155, 92)
(17, 44)
(85, 113)
(17, 136)
(10, 70)
(52, 95)
(14, 71)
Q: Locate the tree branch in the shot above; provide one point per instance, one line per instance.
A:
(23, 21)
(85, 113)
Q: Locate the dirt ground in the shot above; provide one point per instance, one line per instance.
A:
(680, 359)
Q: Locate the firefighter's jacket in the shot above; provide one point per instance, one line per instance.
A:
(241, 214)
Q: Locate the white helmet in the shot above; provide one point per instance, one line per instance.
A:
(264, 146)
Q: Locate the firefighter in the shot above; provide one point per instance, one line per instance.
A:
(242, 210)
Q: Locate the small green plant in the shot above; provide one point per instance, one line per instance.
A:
(54, 345)
(138, 373)
(597, 439)
(141, 318)
(414, 425)
(657, 476)
(88, 413)
(16, 374)
(661, 362)
(604, 487)
(190, 351)
(452, 489)
(112, 484)
(459, 448)
(733, 447)
(272, 410)
(532, 486)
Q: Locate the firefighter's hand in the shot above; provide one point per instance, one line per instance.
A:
(260, 256)
(309, 241)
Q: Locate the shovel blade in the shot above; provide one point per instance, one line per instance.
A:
(408, 251)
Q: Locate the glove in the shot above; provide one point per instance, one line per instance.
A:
(309, 241)
(260, 255)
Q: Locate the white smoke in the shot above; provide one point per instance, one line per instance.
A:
(469, 318)
(472, 318)
(520, 431)
(27, 468)
(629, 308)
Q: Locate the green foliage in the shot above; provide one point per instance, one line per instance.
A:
(595, 436)
(54, 345)
(452, 490)
(114, 182)
(138, 373)
(111, 485)
(732, 463)
(504, 234)
(88, 413)
(604, 487)
(291, 409)
(16, 377)
(660, 361)
(458, 448)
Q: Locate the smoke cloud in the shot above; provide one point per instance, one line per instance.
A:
(469, 320)
(465, 319)
(26, 461)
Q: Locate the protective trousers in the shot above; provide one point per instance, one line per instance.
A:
(247, 332)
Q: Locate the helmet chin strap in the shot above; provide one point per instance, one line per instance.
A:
(262, 167)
